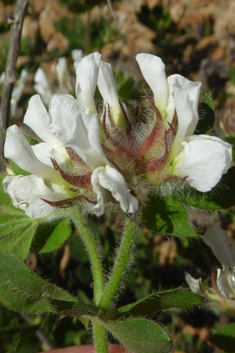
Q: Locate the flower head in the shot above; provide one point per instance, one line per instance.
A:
(105, 154)
(200, 160)
(222, 291)
(70, 164)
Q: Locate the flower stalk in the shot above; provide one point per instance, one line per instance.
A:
(121, 263)
(92, 250)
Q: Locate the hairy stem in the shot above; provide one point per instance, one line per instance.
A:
(99, 337)
(120, 265)
(94, 256)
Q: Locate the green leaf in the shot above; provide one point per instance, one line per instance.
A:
(19, 241)
(16, 231)
(207, 115)
(168, 216)
(224, 338)
(11, 220)
(23, 291)
(169, 299)
(222, 196)
(59, 235)
(140, 335)
(73, 308)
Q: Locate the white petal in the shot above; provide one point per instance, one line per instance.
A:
(110, 179)
(26, 193)
(76, 54)
(194, 284)
(107, 88)
(86, 81)
(153, 70)
(192, 89)
(45, 153)
(17, 91)
(217, 240)
(63, 75)
(226, 282)
(18, 149)
(85, 140)
(203, 161)
(186, 96)
(62, 111)
(42, 86)
(39, 121)
(62, 69)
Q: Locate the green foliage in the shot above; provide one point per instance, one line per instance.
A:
(23, 291)
(16, 229)
(222, 196)
(73, 308)
(126, 86)
(167, 216)
(101, 32)
(206, 115)
(140, 335)
(158, 19)
(60, 234)
(20, 234)
(169, 299)
(224, 338)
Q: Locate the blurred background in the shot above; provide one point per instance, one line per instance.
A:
(194, 38)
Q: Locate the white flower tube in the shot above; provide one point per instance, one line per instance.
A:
(87, 70)
(42, 86)
(107, 88)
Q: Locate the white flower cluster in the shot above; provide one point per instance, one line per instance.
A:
(98, 156)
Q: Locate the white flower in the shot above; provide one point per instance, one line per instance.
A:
(200, 159)
(194, 284)
(76, 54)
(27, 192)
(42, 86)
(18, 90)
(65, 126)
(217, 240)
(153, 70)
(107, 88)
(85, 141)
(223, 286)
(87, 70)
(64, 76)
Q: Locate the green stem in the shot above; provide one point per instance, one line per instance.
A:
(100, 337)
(94, 256)
(120, 265)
